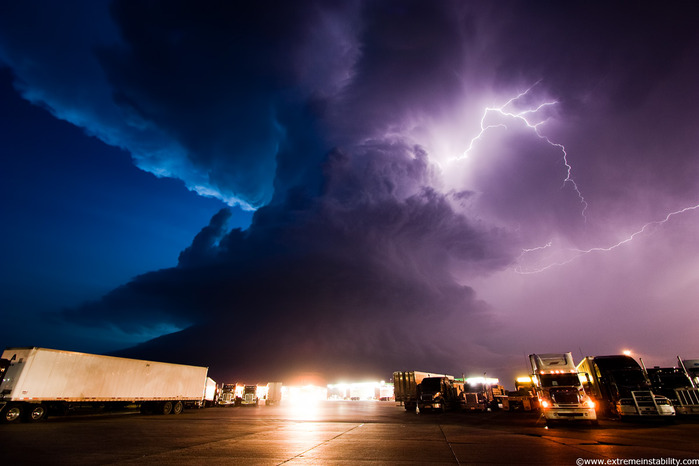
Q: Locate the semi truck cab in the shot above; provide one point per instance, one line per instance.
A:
(621, 388)
(436, 393)
(250, 396)
(558, 387)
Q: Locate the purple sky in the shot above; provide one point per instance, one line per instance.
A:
(394, 185)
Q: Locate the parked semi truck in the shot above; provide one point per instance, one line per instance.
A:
(620, 388)
(274, 393)
(437, 393)
(405, 385)
(677, 385)
(37, 381)
(250, 397)
(523, 398)
(227, 395)
(692, 368)
(211, 393)
(480, 393)
(559, 390)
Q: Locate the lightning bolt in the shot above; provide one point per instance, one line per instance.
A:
(539, 248)
(580, 252)
(526, 251)
(525, 117)
(528, 117)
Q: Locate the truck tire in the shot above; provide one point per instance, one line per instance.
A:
(166, 407)
(36, 413)
(12, 413)
(177, 407)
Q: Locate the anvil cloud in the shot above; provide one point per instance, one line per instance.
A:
(392, 210)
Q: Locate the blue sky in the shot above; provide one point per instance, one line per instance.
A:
(80, 219)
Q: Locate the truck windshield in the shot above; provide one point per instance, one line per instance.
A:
(633, 379)
(559, 380)
(669, 379)
(431, 384)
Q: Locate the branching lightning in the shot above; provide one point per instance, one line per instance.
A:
(526, 251)
(528, 117)
(523, 117)
(580, 252)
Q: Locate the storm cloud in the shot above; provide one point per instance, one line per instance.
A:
(402, 158)
(337, 282)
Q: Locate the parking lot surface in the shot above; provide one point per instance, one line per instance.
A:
(338, 432)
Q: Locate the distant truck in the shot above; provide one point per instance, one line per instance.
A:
(227, 395)
(405, 385)
(523, 398)
(211, 393)
(274, 393)
(620, 388)
(37, 381)
(249, 397)
(677, 385)
(559, 390)
(437, 393)
(480, 393)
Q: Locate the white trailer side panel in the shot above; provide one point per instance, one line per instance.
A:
(274, 392)
(46, 374)
(210, 391)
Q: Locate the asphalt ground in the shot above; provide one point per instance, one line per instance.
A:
(341, 432)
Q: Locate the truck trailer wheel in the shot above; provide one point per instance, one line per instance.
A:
(12, 413)
(36, 413)
(177, 407)
(166, 407)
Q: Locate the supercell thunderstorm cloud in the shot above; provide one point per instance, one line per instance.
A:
(440, 186)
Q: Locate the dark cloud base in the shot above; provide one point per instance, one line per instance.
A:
(351, 283)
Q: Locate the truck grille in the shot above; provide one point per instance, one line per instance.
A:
(565, 396)
(688, 396)
(472, 398)
(644, 399)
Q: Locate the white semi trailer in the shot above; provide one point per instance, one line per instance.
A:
(274, 393)
(38, 380)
